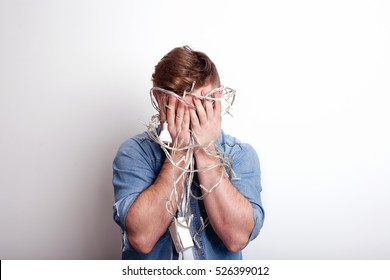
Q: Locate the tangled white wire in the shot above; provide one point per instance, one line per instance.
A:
(187, 163)
(227, 97)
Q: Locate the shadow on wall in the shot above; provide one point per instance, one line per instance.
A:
(116, 121)
(120, 120)
(102, 236)
(103, 239)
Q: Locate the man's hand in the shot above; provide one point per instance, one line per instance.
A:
(178, 118)
(206, 120)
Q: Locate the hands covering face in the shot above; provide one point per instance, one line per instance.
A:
(203, 118)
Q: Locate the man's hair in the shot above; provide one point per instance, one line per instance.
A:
(181, 67)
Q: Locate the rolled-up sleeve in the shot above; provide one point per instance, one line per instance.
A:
(246, 166)
(132, 174)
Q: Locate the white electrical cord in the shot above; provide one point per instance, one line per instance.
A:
(170, 147)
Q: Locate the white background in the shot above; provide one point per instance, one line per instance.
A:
(312, 81)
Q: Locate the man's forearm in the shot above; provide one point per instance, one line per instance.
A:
(148, 218)
(229, 212)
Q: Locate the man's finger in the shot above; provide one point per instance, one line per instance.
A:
(171, 108)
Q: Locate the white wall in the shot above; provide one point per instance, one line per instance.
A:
(312, 80)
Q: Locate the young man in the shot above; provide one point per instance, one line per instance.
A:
(161, 190)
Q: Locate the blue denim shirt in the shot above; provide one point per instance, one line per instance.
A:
(137, 165)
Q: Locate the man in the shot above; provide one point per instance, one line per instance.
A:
(155, 207)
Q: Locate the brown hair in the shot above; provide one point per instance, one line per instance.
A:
(182, 66)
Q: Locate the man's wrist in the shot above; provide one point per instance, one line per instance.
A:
(206, 158)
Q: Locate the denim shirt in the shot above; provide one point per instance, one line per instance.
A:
(137, 165)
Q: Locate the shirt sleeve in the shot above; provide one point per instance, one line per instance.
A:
(133, 172)
(246, 166)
